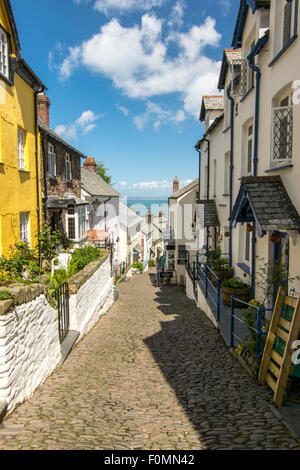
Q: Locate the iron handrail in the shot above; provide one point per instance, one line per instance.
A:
(217, 290)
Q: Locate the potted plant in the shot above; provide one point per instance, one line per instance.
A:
(222, 269)
(235, 286)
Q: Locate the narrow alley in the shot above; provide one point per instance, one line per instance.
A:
(152, 374)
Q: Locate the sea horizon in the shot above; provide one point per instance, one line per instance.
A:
(149, 204)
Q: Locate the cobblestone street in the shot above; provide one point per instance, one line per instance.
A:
(152, 374)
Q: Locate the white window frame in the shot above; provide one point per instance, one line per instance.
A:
(250, 142)
(71, 216)
(51, 161)
(21, 148)
(288, 160)
(68, 168)
(4, 53)
(25, 227)
(81, 217)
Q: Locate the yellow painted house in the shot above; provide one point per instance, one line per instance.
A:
(19, 154)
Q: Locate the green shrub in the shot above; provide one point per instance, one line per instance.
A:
(152, 263)
(85, 255)
(235, 283)
(138, 266)
(5, 295)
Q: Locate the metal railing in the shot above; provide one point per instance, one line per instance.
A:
(259, 330)
(61, 296)
(211, 290)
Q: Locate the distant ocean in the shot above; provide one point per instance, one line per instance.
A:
(144, 205)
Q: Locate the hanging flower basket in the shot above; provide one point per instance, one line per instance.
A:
(275, 238)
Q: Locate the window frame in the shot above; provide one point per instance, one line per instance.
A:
(249, 139)
(68, 166)
(293, 30)
(278, 162)
(51, 161)
(25, 223)
(22, 153)
(6, 53)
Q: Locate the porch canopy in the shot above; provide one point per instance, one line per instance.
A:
(54, 202)
(265, 201)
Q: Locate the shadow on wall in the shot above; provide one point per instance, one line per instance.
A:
(209, 383)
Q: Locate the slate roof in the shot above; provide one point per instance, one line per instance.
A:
(211, 103)
(44, 128)
(229, 55)
(93, 184)
(265, 199)
(185, 190)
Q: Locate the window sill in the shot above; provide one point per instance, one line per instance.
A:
(23, 170)
(247, 94)
(278, 168)
(6, 79)
(244, 267)
(226, 195)
(280, 53)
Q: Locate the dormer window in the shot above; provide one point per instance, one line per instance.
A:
(4, 69)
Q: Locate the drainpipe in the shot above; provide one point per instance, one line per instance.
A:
(37, 160)
(199, 152)
(230, 169)
(254, 67)
(207, 183)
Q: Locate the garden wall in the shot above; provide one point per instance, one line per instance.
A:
(29, 342)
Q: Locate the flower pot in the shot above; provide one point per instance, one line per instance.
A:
(222, 275)
(242, 293)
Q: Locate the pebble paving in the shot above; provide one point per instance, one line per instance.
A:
(153, 374)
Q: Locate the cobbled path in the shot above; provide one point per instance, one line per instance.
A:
(152, 374)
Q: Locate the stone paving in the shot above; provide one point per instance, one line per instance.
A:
(153, 374)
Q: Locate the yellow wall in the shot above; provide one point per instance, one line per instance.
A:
(17, 188)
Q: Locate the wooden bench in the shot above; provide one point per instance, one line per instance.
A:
(98, 236)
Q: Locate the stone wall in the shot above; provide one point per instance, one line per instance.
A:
(92, 294)
(29, 342)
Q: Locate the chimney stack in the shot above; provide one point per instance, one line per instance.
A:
(90, 164)
(175, 185)
(149, 218)
(43, 105)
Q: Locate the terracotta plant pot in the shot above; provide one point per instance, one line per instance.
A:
(240, 293)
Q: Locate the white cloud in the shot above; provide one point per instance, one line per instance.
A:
(122, 6)
(136, 60)
(225, 6)
(85, 123)
(124, 110)
(177, 14)
(160, 185)
(157, 115)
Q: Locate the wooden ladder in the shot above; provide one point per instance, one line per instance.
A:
(275, 369)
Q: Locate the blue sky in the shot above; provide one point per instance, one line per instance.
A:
(125, 79)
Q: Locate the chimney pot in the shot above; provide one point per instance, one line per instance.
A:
(175, 185)
(43, 105)
(90, 164)
(149, 218)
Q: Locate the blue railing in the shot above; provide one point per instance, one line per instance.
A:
(211, 291)
(258, 330)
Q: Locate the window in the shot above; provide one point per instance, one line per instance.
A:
(81, 222)
(68, 168)
(283, 131)
(215, 179)
(287, 23)
(21, 148)
(24, 227)
(51, 161)
(239, 77)
(249, 148)
(247, 246)
(250, 69)
(4, 69)
(71, 225)
(227, 174)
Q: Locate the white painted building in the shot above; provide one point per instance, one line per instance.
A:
(254, 171)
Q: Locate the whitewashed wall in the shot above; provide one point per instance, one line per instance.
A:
(29, 349)
(29, 342)
(91, 300)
